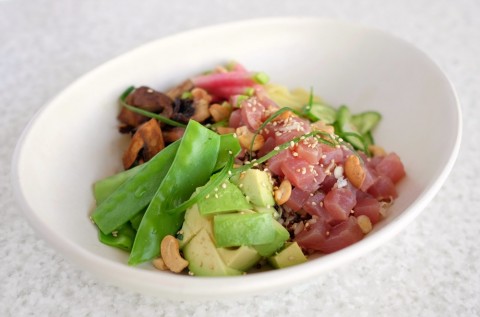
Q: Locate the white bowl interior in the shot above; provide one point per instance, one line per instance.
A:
(74, 141)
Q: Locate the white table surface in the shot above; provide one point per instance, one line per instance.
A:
(431, 269)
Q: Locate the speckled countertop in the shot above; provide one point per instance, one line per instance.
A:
(431, 269)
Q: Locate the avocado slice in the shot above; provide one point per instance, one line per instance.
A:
(237, 229)
(257, 187)
(291, 255)
(242, 258)
(204, 259)
(281, 235)
(193, 223)
(227, 197)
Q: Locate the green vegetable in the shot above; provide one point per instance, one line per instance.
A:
(261, 78)
(229, 147)
(104, 187)
(356, 129)
(186, 173)
(122, 238)
(135, 193)
(315, 112)
(135, 221)
(366, 121)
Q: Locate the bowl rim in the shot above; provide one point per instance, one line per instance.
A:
(142, 280)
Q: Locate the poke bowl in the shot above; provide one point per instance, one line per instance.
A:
(357, 72)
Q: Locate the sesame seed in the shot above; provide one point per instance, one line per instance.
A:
(216, 195)
(224, 185)
(276, 148)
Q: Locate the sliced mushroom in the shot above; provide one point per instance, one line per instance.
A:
(146, 142)
(173, 134)
(148, 99)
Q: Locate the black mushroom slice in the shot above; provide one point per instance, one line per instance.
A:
(147, 99)
(183, 109)
(196, 107)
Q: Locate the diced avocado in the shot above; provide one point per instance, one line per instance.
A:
(281, 235)
(269, 210)
(193, 223)
(291, 255)
(241, 258)
(203, 258)
(257, 187)
(227, 197)
(239, 229)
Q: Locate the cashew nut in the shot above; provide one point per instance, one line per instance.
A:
(282, 194)
(201, 100)
(219, 112)
(354, 171)
(170, 251)
(245, 137)
(159, 264)
(225, 130)
(376, 150)
(364, 223)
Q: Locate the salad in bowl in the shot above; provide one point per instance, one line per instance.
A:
(227, 173)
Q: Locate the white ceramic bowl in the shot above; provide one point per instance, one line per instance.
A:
(73, 140)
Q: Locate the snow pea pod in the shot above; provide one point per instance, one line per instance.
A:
(135, 193)
(122, 238)
(105, 187)
(191, 168)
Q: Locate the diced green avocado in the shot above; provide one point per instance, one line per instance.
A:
(242, 258)
(239, 229)
(291, 255)
(227, 197)
(193, 223)
(257, 187)
(270, 210)
(281, 235)
(203, 258)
